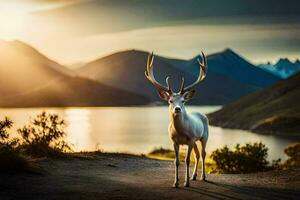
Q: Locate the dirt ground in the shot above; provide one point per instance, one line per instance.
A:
(118, 176)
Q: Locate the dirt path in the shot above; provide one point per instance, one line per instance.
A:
(112, 176)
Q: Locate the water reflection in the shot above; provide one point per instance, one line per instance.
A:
(79, 128)
(127, 130)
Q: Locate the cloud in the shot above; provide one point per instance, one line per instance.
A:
(56, 1)
(53, 4)
(110, 16)
(258, 43)
(72, 31)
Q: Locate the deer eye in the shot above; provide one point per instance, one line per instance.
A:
(171, 101)
(182, 101)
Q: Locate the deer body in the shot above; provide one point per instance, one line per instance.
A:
(189, 126)
(187, 129)
(184, 128)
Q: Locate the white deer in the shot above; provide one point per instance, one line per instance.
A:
(184, 128)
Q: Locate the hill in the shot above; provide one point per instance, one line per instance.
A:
(28, 78)
(24, 68)
(275, 110)
(73, 91)
(229, 75)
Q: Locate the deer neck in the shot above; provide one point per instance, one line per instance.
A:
(178, 121)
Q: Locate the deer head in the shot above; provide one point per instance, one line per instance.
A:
(176, 100)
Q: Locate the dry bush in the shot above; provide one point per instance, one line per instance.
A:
(243, 159)
(293, 152)
(44, 136)
(11, 160)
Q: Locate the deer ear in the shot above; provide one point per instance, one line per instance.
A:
(163, 95)
(188, 94)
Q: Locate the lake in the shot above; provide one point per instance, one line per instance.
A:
(137, 129)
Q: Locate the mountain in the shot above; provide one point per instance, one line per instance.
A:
(274, 110)
(283, 68)
(234, 66)
(28, 78)
(74, 91)
(24, 68)
(229, 76)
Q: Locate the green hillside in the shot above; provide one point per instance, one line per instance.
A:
(275, 110)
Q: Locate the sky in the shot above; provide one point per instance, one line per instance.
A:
(75, 31)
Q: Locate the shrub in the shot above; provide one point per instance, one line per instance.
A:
(44, 136)
(10, 158)
(4, 126)
(243, 159)
(293, 152)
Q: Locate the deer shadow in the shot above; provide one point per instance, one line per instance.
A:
(235, 192)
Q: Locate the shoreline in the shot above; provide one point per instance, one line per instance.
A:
(269, 133)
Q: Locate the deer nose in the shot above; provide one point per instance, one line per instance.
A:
(177, 109)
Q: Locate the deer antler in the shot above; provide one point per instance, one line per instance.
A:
(150, 76)
(201, 76)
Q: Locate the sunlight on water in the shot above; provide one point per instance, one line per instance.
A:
(137, 129)
(79, 126)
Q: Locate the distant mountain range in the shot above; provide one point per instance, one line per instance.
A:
(283, 68)
(229, 75)
(274, 110)
(29, 78)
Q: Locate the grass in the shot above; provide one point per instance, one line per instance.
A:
(168, 154)
(163, 154)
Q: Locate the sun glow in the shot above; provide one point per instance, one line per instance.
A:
(12, 18)
(16, 17)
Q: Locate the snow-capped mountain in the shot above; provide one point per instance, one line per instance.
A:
(283, 68)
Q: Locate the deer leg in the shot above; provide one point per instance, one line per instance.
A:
(176, 162)
(187, 164)
(203, 154)
(197, 157)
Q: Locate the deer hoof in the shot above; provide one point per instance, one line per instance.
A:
(194, 177)
(186, 184)
(203, 178)
(175, 185)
